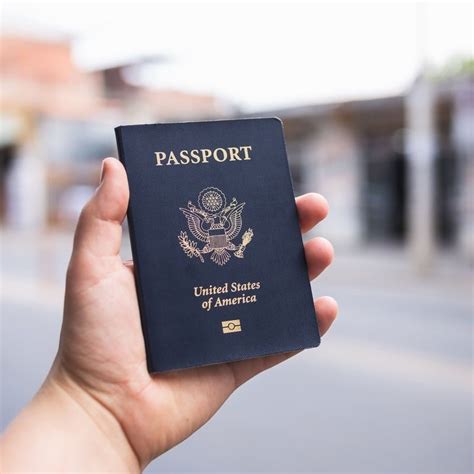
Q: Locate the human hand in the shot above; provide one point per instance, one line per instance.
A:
(101, 368)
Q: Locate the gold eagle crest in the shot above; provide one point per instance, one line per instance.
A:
(216, 224)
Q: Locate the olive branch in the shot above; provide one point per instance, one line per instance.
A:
(189, 247)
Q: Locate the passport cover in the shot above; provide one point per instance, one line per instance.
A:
(219, 260)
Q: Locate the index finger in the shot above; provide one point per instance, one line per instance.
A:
(312, 208)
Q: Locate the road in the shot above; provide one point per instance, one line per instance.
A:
(388, 390)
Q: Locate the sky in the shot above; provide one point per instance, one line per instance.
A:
(258, 55)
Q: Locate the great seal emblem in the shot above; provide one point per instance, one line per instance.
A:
(215, 223)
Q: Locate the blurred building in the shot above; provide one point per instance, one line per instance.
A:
(57, 123)
(396, 170)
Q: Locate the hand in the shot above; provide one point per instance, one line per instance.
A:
(100, 366)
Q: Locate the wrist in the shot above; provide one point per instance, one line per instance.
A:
(64, 428)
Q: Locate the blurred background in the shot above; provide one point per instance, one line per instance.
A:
(377, 102)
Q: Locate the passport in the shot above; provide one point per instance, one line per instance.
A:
(219, 261)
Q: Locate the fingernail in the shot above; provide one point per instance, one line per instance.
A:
(102, 172)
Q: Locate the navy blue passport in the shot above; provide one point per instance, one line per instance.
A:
(220, 267)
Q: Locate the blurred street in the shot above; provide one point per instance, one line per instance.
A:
(389, 389)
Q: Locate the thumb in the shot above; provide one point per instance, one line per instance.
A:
(99, 230)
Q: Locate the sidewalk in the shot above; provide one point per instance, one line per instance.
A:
(390, 383)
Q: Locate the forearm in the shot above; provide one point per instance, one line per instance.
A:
(64, 429)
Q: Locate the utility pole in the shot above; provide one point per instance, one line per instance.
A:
(421, 149)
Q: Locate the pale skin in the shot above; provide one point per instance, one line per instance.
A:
(99, 409)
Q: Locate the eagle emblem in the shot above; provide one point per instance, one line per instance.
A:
(216, 224)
